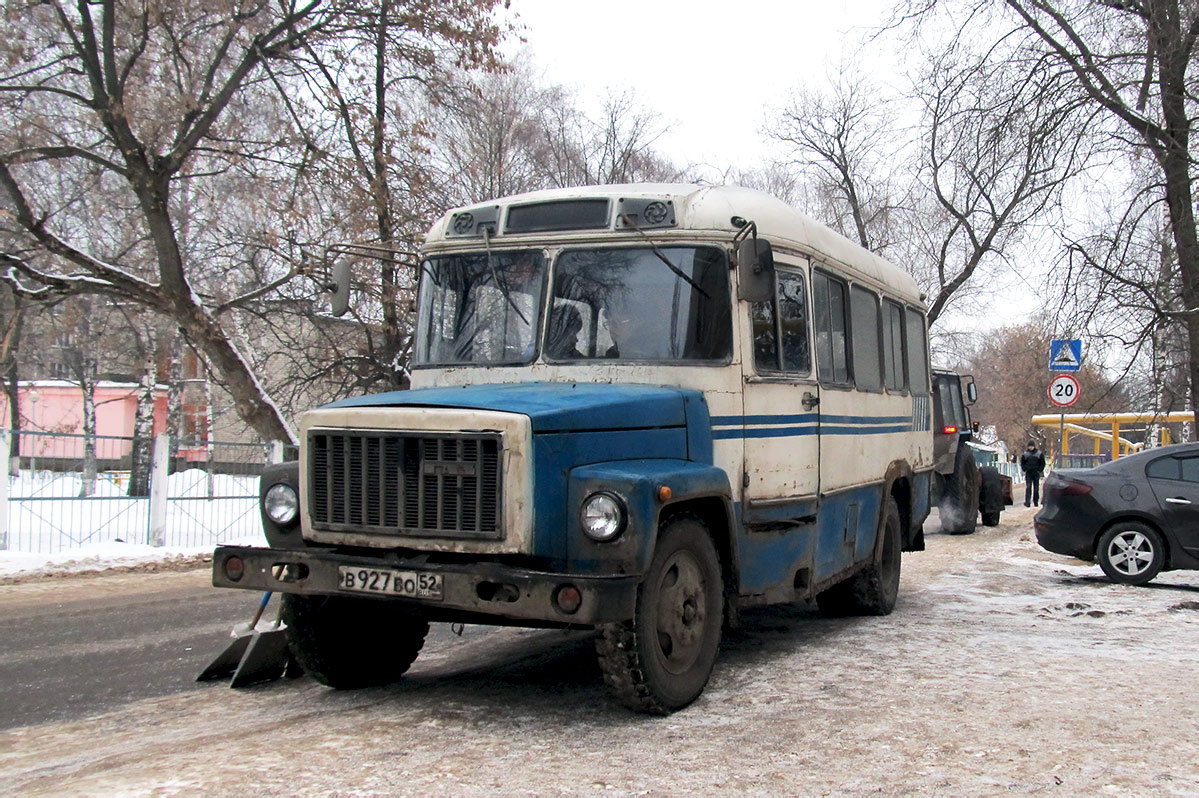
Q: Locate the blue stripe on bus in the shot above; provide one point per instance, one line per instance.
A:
(829, 423)
(866, 419)
(782, 419)
(718, 421)
(810, 429)
(764, 432)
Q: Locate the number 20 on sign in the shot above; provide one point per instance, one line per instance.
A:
(1063, 390)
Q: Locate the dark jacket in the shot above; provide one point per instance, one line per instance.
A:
(1032, 463)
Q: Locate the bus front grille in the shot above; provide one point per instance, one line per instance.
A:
(405, 484)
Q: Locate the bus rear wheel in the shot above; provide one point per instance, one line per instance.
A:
(875, 590)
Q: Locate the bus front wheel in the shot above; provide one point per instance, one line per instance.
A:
(660, 660)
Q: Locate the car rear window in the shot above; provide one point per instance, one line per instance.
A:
(1165, 468)
(1190, 469)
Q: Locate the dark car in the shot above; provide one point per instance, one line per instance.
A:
(1136, 516)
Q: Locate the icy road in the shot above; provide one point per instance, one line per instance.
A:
(1004, 669)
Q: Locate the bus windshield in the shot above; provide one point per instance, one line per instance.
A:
(643, 304)
(479, 308)
(657, 304)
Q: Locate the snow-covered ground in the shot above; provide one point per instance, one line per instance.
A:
(1003, 670)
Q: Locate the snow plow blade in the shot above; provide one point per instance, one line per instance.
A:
(227, 661)
(253, 656)
(265, 660)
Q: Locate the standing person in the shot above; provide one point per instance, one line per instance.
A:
(1032, 463)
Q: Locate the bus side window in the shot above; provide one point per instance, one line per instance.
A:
(793, 318)
(766, 349)
(918, 355)
(867, 363)
(828, 322)
(784, 319)
(893, 343)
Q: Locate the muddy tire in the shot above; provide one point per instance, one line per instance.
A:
(1131, 553)
(349, 643)
(875, 590)
(959, 507)
(660, 661)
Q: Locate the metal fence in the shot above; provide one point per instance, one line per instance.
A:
(1081, 460)
(1009, 470)
(201, 493)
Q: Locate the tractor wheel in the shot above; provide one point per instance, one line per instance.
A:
(959, 505)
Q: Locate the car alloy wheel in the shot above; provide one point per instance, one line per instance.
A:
(1131, 553)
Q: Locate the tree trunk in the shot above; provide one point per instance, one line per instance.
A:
(250, 399)
(87, 486)
(12, 387)
(143, 429)
(1179, 199)
(384, 212)
(175, 388)
(1193, 347)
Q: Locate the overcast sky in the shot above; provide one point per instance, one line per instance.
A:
(710, 69)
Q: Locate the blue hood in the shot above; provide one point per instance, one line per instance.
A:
(552, 406)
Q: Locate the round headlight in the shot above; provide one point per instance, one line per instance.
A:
(281, 504)
(603, 516)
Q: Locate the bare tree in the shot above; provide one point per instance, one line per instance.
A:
(489, 130)
(1002, 139)
(371, 81)
(775, 179)
(1135, 61)
(617, 148)
(842, 141)
(997, 142)
(135, 97)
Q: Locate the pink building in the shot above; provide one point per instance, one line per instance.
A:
(56, 407)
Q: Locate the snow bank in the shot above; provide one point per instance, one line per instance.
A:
(93, 557)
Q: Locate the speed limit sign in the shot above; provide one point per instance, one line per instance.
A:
(1063, 391)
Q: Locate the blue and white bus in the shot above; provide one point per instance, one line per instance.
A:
(634, 408)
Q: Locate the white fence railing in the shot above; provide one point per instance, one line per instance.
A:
(210, 498)
(1010, 470)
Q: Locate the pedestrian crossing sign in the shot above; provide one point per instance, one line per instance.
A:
(1065, 354)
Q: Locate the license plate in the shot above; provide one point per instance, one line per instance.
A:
(408, 584)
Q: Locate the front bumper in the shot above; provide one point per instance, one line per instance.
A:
(471, 591)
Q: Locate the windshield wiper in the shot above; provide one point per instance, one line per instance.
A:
(495, 276)
(661, 255)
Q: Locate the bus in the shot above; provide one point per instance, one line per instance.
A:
(638, 409)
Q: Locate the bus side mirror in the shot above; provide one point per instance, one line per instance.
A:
(340, 287)
(972, 392)
(755, 270)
